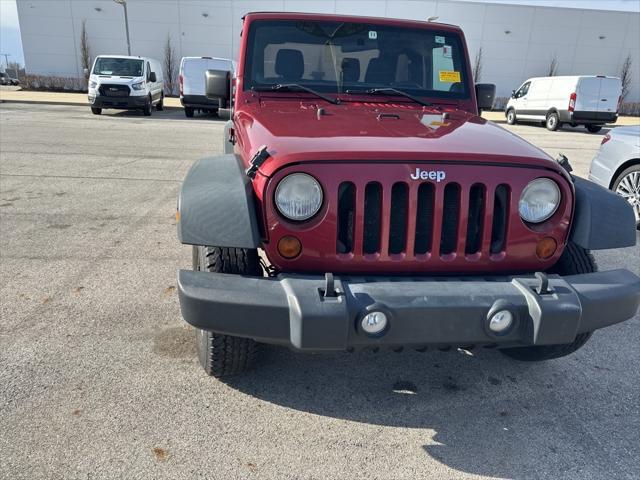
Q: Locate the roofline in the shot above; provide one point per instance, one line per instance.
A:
(354, 18)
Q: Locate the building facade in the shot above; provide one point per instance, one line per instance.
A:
(517, 42)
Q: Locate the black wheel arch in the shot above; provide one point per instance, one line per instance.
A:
(622, 168)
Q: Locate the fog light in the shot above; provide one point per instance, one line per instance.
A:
(374, 323)
(289, 247)
(501, 321)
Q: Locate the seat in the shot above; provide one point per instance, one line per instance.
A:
(350, 70)
(379, 72)
(289, 64)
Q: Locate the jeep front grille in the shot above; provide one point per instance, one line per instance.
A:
(468, 221)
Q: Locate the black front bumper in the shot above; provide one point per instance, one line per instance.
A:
(130, 102)
(292, 309)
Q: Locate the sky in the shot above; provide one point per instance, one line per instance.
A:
(11, 43)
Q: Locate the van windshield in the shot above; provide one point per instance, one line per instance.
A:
(330, 56)
(121, 67)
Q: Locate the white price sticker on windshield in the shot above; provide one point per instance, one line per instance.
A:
(439, 39)
(373, 34)
(446, 51)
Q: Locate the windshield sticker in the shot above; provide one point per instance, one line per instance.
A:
(449, 76)
(446, 51)
(373, 34)
(439, 39)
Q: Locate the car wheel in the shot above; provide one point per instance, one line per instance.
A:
(160, 105)
(96, 110)
(574, 260)
(224, 355)
(148, 107)
(594, 128)
(188, 112)
(511, 117)
(627, 185)
(553, 122)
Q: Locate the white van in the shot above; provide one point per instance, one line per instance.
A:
(591, 101)
(126, 82)
(192, 71)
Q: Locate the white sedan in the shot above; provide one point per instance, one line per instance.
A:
(617, 165)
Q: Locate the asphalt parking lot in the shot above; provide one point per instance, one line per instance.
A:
(98, 374)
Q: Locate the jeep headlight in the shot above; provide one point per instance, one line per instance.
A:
(298, 196)
(539, 200)
(137, 86)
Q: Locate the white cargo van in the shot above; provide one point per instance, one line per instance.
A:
(127, 83)
(192, 72)
(589, 100)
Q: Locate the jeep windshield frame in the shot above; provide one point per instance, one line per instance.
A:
(332, 56)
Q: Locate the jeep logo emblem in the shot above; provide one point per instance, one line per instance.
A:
(437, 175)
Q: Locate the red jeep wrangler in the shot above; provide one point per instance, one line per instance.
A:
(362, 203)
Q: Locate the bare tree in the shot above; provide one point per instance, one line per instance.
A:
(553, 66)
(170, 66)
(85, 49)
(477, 66)
(625, 77)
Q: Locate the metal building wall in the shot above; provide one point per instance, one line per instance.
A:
(517, 41)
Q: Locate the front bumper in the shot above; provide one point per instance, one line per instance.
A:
(292, 309)
(102, 101)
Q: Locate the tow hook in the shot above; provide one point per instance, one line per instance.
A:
(543, 285)
(329, 286)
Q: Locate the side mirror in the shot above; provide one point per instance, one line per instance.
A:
(217, 86)
(485, 95)
(513, 94)
(152, 77)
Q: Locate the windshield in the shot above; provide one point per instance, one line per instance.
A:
(121, 67)
(355, 57)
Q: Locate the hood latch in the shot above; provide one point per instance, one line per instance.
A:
(258, 159)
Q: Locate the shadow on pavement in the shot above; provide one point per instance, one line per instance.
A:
(491, 415)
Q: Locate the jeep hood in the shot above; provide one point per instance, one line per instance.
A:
(301, 130)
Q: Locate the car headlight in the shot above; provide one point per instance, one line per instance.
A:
(298, 196)
(137, 86)
(93, 84)
(539, 200)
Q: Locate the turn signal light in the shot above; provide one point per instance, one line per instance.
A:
(546, 248)
(289, 247)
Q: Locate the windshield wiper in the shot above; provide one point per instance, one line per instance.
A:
(391, 90)
(296, 86)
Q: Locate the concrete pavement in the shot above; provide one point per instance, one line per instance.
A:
(98, 375)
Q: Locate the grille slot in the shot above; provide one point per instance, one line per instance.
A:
(372, 217)
(421, 218)
(500, 216)
(398, 218)
(424, 219)
(346, 217)
(450, 219)
(475, 219)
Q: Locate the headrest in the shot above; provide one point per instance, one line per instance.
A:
(350, 69)
(290, 64)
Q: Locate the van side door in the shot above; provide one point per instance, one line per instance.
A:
(521, 100)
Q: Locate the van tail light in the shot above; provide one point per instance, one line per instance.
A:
(572, 102)
(619, 103)
(605, 139)
(180, 82)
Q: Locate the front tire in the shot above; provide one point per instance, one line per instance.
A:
(188, 112)
(511, 117)
(627, 185)
(574, 260)
(160, 105)
(96, 110)
(225, 355)
(148, 107)
(553, 122)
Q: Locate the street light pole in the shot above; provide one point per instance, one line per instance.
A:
(126, 23)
